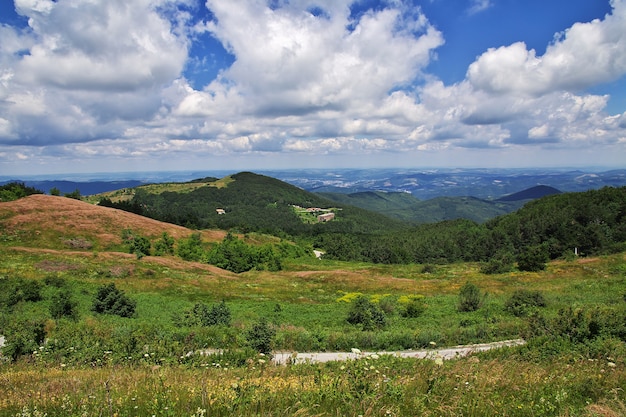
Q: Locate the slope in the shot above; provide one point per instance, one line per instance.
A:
(251, 202)
(56, 222)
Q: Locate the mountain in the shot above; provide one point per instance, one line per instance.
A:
(405, 207)
(247, 202)
(532, 193)
(85, 188)
(427, 183)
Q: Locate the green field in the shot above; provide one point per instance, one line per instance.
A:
(109, 365)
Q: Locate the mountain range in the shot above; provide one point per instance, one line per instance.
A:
(411, 195)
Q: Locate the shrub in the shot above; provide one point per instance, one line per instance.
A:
(366, 314)
(469, 298)
(261, 336)
(499, 264)
(190, 249)
(13, 291)
(201, 315)
(164, 246)
(522, 301)
(110, 300)
(63, 305)
(414, 308)
(23, 338)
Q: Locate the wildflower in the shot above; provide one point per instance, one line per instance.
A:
(433, 344)
(374, 356)
(356, 351)
(439, 361)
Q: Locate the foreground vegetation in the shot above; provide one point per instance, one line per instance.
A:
(104, 364)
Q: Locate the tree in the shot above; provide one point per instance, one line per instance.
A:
(110, 300)
(470, 298)
(55, 191)
(532, 259)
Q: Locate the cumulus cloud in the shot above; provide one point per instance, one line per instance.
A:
(104, 78)
(582, 56)
(82, 69)
(290, 61)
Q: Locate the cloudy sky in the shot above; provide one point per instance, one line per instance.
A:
(118, 85)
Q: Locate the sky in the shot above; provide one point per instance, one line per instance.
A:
(145, 85)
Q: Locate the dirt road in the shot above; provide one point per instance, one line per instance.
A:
(444, 353)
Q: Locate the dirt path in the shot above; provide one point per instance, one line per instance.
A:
(282, 358)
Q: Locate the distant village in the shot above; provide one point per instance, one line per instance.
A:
(325, 215)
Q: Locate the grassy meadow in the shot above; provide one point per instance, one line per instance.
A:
(307, 304)
(159, 362)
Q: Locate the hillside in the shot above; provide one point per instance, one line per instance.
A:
(48, 221)
(532, 193)
(405, 207)
(248, 202)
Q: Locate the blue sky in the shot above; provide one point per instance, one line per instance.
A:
(112, 85)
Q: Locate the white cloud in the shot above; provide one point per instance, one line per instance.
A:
(584, 55)
(478, 6)
(291, 62)
(102, 79)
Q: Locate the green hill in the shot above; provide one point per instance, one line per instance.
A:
(405, 207)
(248, 202)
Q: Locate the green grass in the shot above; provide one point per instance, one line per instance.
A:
(98, 364)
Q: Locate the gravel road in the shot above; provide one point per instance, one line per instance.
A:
(444, 353)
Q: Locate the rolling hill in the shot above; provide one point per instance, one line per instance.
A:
(405, 207)
(247, 202)
(532, 193)
(58, 222)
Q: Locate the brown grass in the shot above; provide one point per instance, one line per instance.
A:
(44, 216)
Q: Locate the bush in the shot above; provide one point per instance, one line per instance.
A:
(522, 301)
(139, 245)
(261, 336)
(63, 305)
(366, 314)
(110, 300)
(190, 249)
(201, 315)
(470, 298)
(23, 338)
(413, 309)
(164, 246)
(498, 264)
(13, 291)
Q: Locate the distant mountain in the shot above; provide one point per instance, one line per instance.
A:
(430, 183)
(404, 206)
(380, 201)
(531, 193)
(85, 188)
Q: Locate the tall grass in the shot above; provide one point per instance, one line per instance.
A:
(496, 384)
